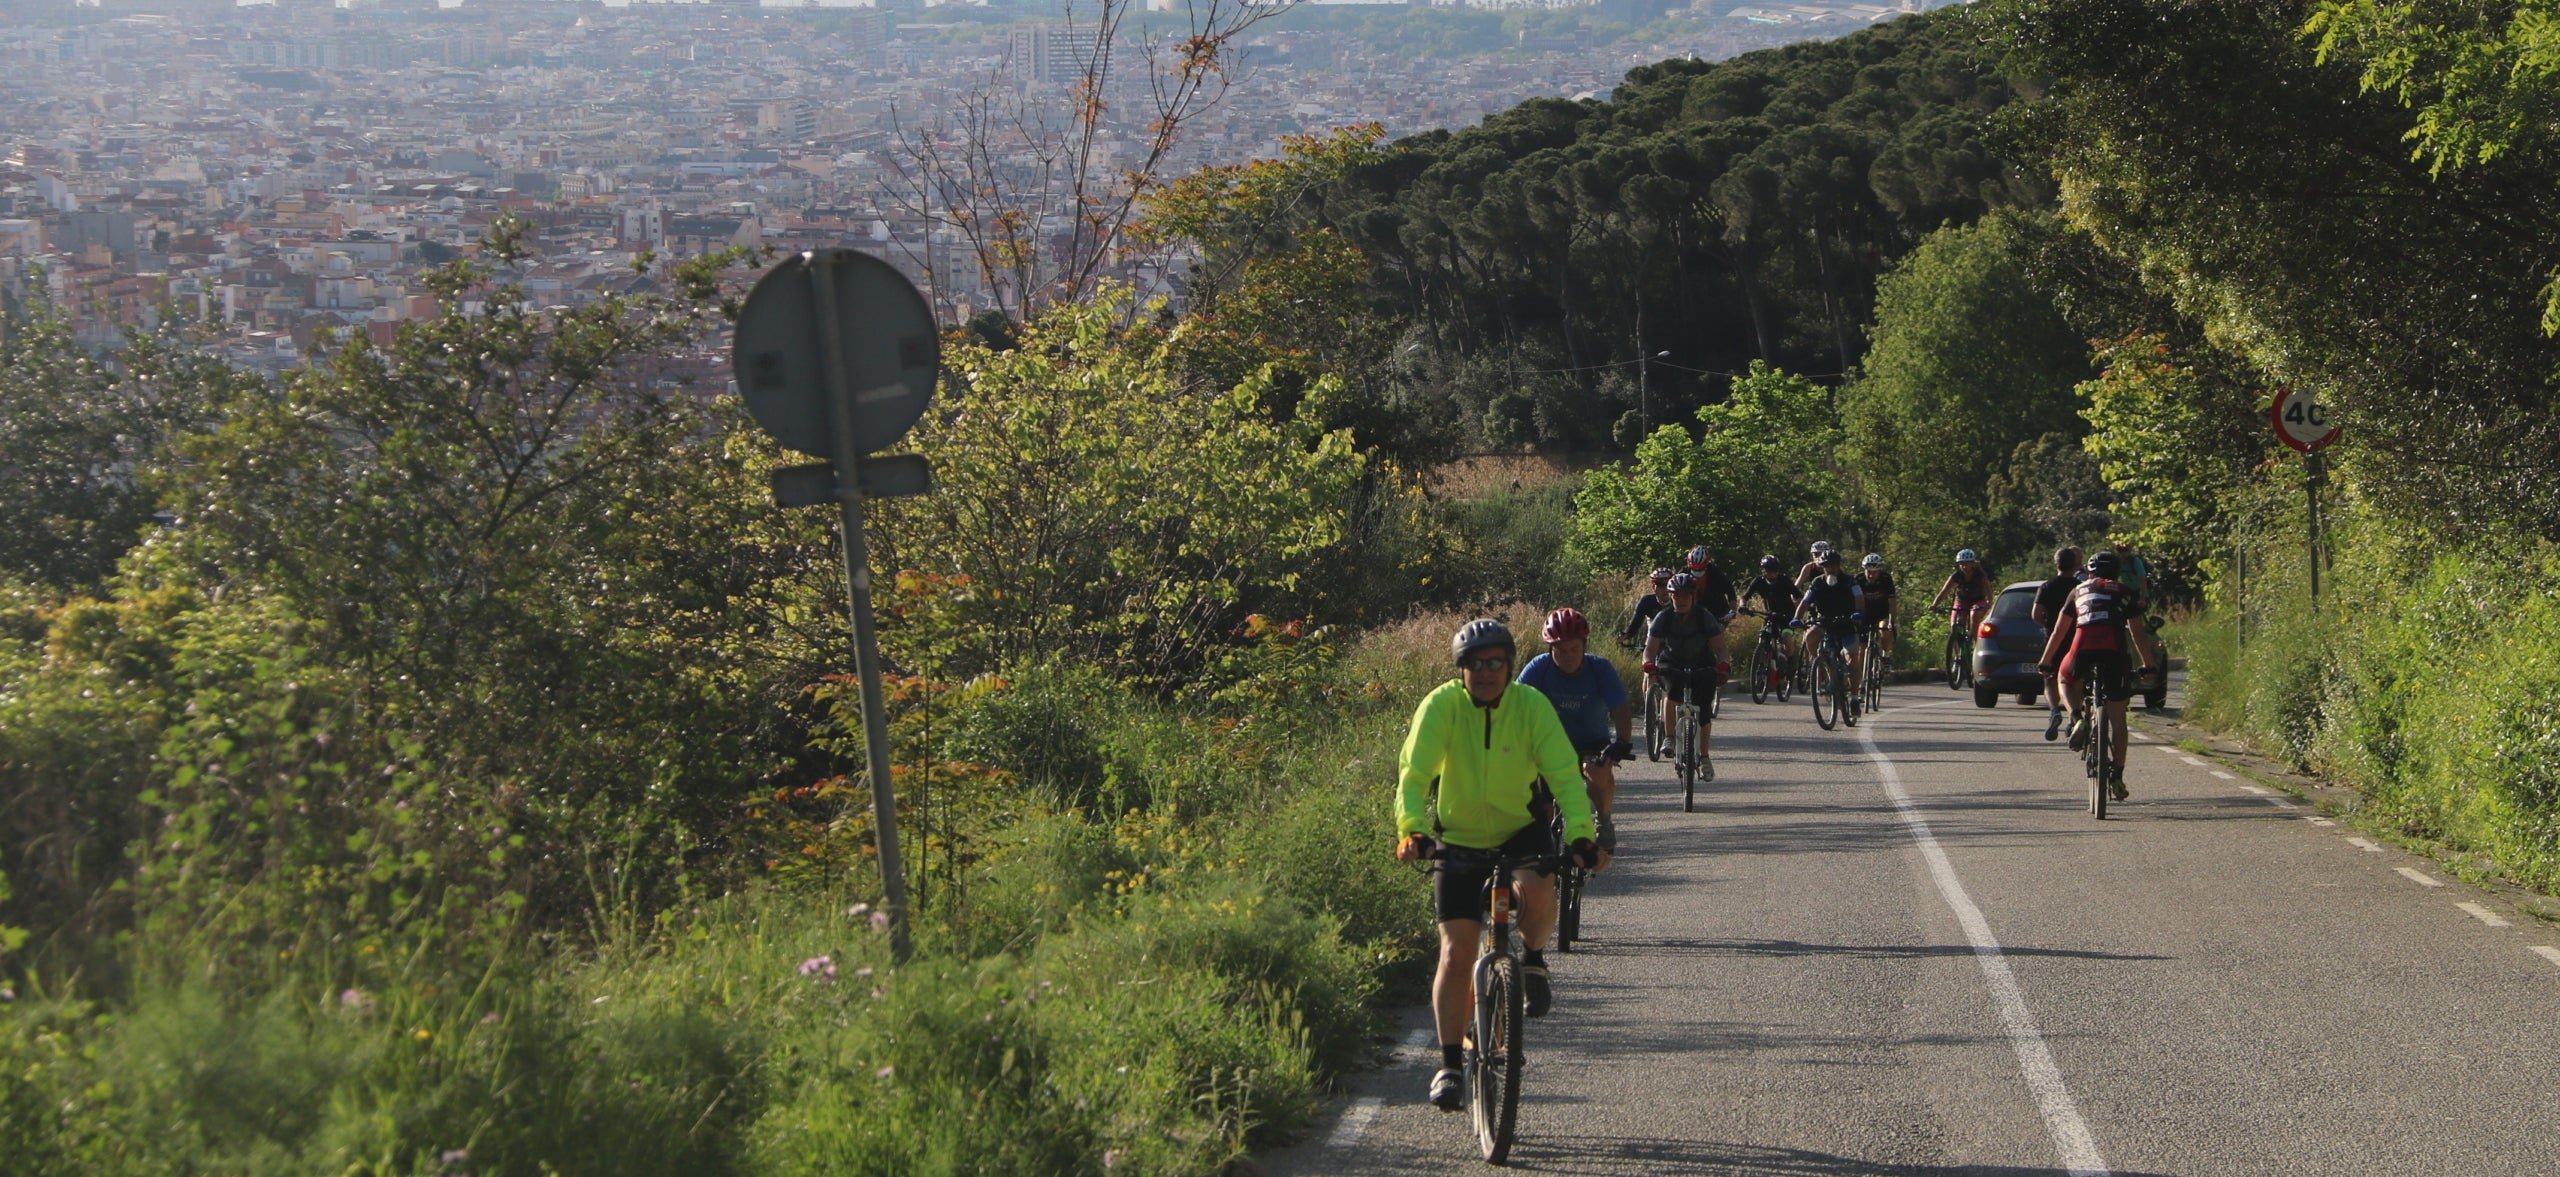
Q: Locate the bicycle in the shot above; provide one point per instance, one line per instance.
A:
(1689, 721)
(1875, 675)
(1652, 710)
(1959, 661)
(1570, 875)
(1772, 671)
(2099, 754)
(1493, 1044)
(1831, 684)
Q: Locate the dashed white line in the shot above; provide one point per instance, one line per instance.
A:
(2322, 822)
(2192, 762)
(2220, 775)
(2140, 736)
(2419, 877)
(2071, 1136)
(2484, 915)
(2171, 751)
(2257, 791)
(2365, 844)
(1355, 1120)
(2547, 952)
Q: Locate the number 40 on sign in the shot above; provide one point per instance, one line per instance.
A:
(2301, 422)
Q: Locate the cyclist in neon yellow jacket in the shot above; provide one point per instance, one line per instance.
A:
(1485, 741)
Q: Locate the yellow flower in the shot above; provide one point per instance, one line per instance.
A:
(420, 1034)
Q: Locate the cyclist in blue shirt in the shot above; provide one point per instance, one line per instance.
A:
(1591, 701)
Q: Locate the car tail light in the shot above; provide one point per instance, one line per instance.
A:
(1987, 630)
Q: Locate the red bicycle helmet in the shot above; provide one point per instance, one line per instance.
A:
(1565, 625)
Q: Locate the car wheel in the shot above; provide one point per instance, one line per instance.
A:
(1986, 696)
(2028, 698)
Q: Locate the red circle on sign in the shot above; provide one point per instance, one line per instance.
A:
(2301, 422)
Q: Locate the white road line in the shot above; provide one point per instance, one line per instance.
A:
(2195, 762)
(2220, 775)
(2257, 791)
(1355, 1120)
(2365, 844)
(2280, 802)
(2071, 1137)
(2140, 736)
(2171, 751)
(2484, 915)
(2322, 822)
(2419, 877)
(2547, 952)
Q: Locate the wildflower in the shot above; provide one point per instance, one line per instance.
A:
(355, 999)
(490, 1018)
(864, 972)
(823, 967)
(1111, 1158)
(420, 1034)
(879, 921)
(857, 910)
(886, 1072)
(455, 1156)
(7, 994)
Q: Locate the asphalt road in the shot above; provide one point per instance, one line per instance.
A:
(1907, 949)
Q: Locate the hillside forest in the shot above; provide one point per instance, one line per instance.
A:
(441, 759)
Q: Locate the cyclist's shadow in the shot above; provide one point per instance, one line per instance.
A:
(1584, 1153)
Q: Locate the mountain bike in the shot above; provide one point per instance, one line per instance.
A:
(1652, 720)
(1571, 875)
(1834, 699)
(1690, 720)
(1772, 671)
(1872, 698)
(1959, 661)
(1493, 1045)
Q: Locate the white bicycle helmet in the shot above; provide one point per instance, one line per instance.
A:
(1872, 561)
(1966, 556)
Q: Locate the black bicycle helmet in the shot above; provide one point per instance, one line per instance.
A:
(2104, 566)
(1483, 633)
(1770, 564)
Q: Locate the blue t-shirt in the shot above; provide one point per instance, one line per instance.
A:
(1583, 701)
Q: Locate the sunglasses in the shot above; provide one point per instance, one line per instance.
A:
(1494, 662)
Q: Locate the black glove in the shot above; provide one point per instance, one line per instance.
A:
(1583, 853)
(1620, 751)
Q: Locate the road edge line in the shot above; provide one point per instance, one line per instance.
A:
(2070, 1133)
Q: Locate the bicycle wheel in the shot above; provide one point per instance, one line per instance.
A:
(1764, 672)
(1826, 683)
(2103, 742)
(1568, 907)
(1686, 740)
(1652, 709)
(1714, 706)
(1875, 682)
(1493, 1067)
(1851, 699)
(1954, 662)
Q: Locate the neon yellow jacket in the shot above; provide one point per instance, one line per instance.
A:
(1486, 759)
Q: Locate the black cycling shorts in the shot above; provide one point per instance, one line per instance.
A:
(1457, 892)
(2107, 666)
(1680, 681)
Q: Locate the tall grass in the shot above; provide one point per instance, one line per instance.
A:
(2435, 692)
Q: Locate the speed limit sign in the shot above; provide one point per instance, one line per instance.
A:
(2301, 422)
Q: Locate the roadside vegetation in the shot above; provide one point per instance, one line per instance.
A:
(438, 761)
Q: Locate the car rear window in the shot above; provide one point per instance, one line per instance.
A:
(2017, 602)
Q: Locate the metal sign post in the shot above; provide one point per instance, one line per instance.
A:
(836, 354)
(2305, 424)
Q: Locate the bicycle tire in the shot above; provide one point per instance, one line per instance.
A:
(1762, 671)
(1875, 681)
(1852, 697)
(1568, 907)
(2104, 740)
(1954, 662)
(1493, 1066)
(1826, 702)
(1652, 709)
(1714, 706)
(1685, 736)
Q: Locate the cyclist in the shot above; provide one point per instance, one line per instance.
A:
(1590, 699)
(1878, 584)
(1647, 605)
(1813, 564)
(1686, 650)
(1839, 605)
(2096, 628)
(1466, 777)
(1971, 587)
(1715, 589)
(2050, 597)
(1777, 596)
